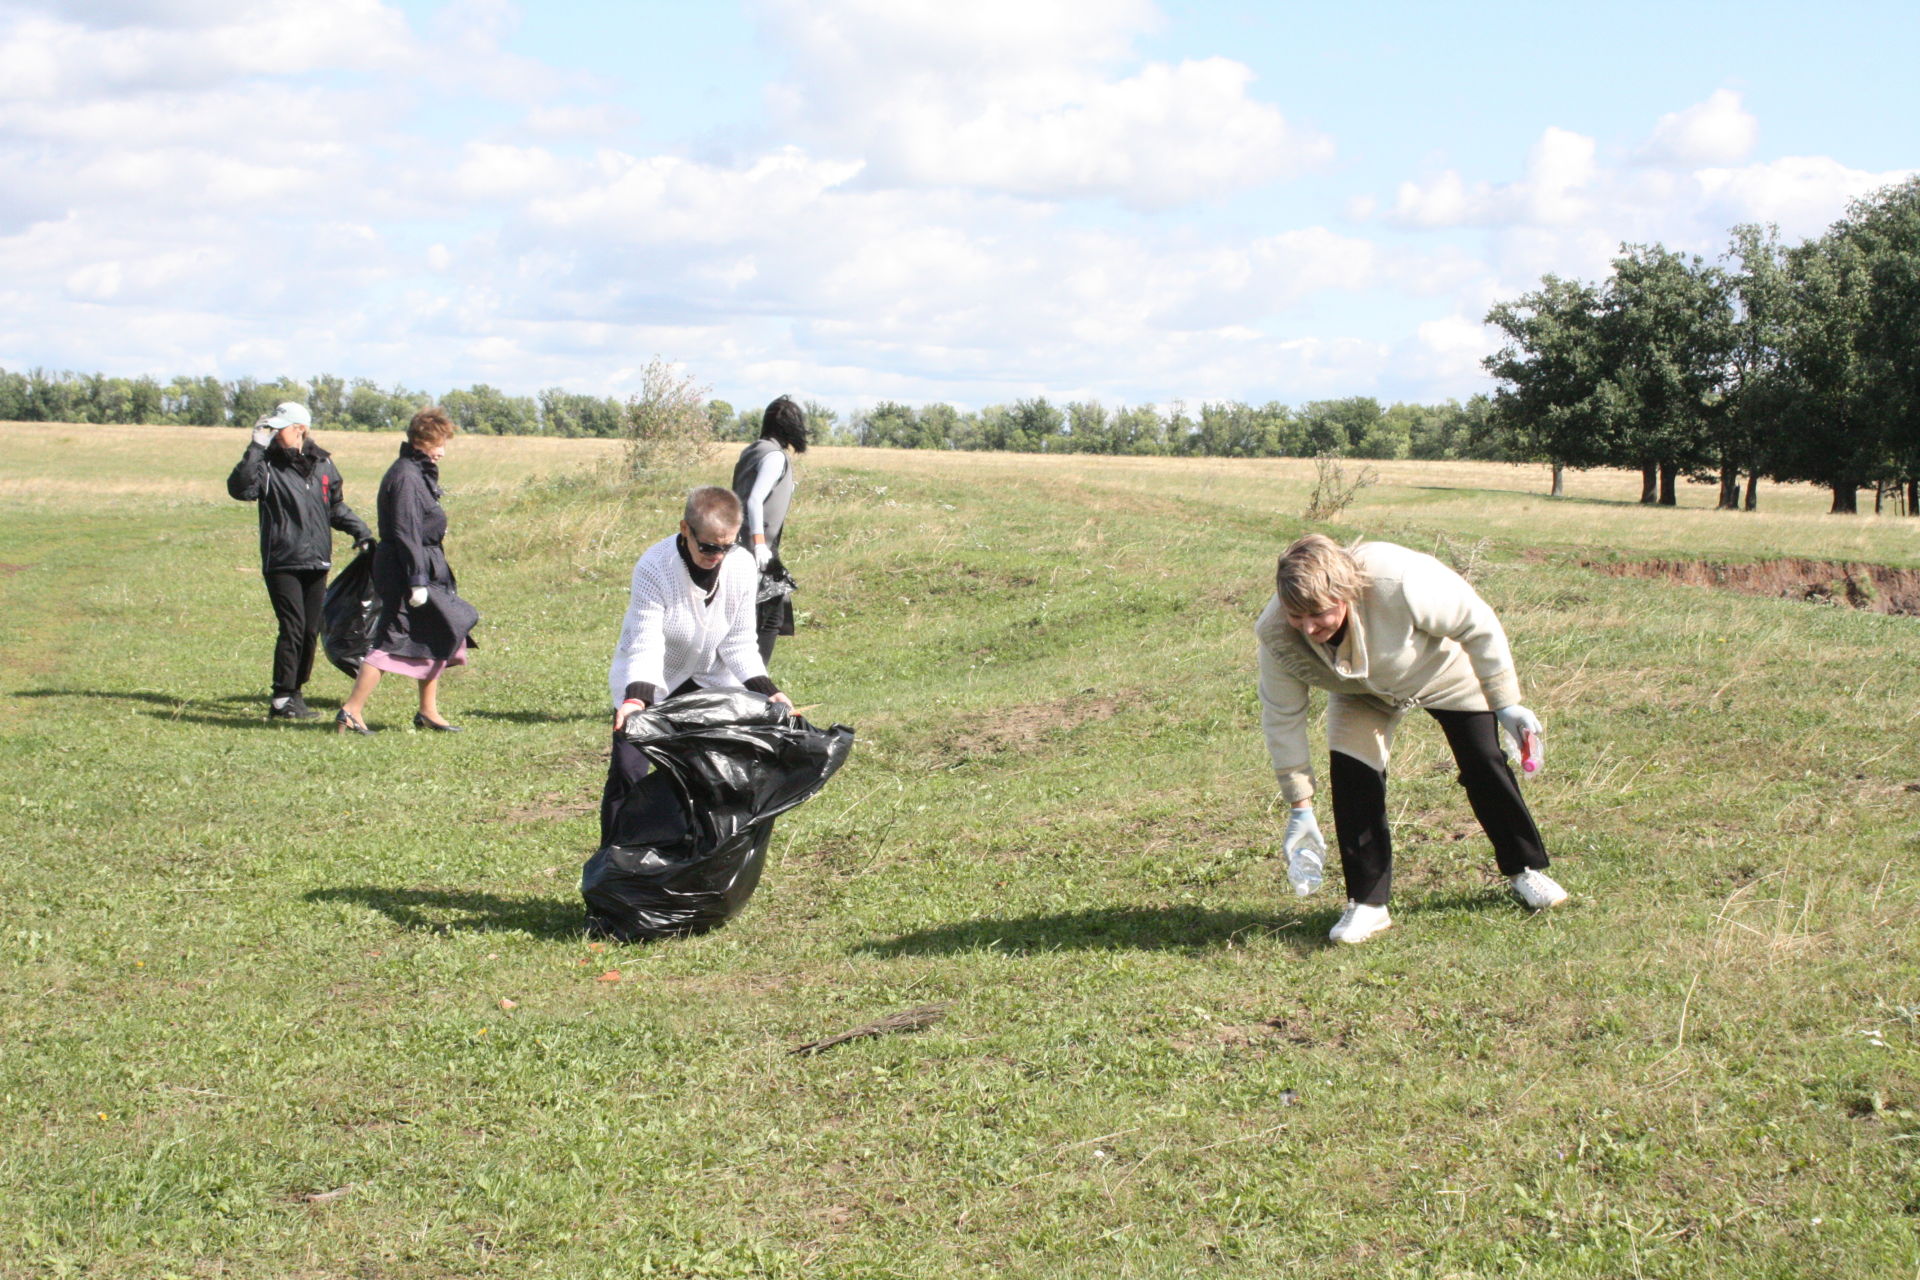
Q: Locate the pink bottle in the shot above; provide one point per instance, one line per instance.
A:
(1529, 752)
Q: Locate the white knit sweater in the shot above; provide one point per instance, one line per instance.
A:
(672, 634)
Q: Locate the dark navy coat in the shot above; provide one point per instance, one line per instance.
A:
(413, 525)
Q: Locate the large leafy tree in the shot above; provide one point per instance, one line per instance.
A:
(1884, 228)
(1666, 329)
(1753, 390)
(1548, 407)
(1823, 429)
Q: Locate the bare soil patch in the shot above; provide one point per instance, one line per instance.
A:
(1872, 587)
(1023, 726)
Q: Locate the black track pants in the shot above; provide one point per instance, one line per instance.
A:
(296, 596)
(1360, 808)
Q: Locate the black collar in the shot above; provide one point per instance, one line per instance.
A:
(705, 579)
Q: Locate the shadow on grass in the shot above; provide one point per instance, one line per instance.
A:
(538, 717)
(453, 910)
(148, 696)
(235, 711)
(1156, 928)
(1563, 501)
(1106, 929)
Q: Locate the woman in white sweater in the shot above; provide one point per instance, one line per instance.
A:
(1384, 630)
(690, 624)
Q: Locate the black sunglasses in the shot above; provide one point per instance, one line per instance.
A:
(712, 548)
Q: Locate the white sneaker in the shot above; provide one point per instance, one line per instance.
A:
(1360, 922)
(1537, 890)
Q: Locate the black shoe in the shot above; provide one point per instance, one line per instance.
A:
(421, 722)
(346, 722)
(294, 708)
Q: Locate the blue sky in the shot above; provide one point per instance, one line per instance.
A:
(856, 200)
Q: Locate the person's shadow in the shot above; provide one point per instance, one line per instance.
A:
(1182, 928)
(462, 911)
(538, 717)
(235, 711)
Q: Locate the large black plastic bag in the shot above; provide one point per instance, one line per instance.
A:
(348, 614)
(690, 838)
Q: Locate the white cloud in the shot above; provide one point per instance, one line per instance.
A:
(1802, 194)
(1447, 350)
(929, 214)
(1717, 131)
(560, 121)
(1555, 188)
(202, 46)
(1025, 98)
(499, 172)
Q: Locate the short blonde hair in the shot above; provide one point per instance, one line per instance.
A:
(1316, 573)
(429, 427)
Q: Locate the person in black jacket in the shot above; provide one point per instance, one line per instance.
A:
(424, 624)
(297, 489)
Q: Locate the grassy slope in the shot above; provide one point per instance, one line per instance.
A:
(244, 963)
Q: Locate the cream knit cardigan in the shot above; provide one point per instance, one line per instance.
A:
(1419, 636)
(672, 634)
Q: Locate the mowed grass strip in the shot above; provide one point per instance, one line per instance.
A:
(278, 1003)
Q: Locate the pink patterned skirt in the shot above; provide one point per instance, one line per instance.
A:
(417, 668)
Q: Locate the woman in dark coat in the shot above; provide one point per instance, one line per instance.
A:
(424, 624)
(763, 481)
(298, 491)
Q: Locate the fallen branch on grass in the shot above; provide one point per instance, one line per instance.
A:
(909, 1020)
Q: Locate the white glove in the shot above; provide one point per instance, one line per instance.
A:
(1519, 722)
(1306, 851)
(418, 598)
(263, 431)
(762, 555)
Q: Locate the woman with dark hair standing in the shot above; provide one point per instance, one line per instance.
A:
(424, 624)
(297, 488)
(763, 481)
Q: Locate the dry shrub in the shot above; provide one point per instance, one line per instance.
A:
(667, 427)
(1333, 489)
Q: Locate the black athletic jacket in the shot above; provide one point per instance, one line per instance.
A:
(300, 500)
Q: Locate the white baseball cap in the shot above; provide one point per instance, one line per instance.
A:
(288, 414)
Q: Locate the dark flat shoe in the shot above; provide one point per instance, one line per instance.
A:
(344, 722)
(421, 722)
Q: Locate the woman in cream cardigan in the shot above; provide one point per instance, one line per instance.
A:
(1385, 630)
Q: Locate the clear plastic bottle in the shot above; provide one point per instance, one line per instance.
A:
(1306, 871)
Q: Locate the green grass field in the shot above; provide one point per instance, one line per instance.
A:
(255, 978)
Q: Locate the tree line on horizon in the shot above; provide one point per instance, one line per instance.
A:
(1352, 426)
(1783, 362)
(1791, 363)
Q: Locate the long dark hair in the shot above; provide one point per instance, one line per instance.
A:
(785, 424)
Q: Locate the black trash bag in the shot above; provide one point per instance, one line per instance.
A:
(775, 583)
(773, 604)
(690, 838)
(350, 614)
